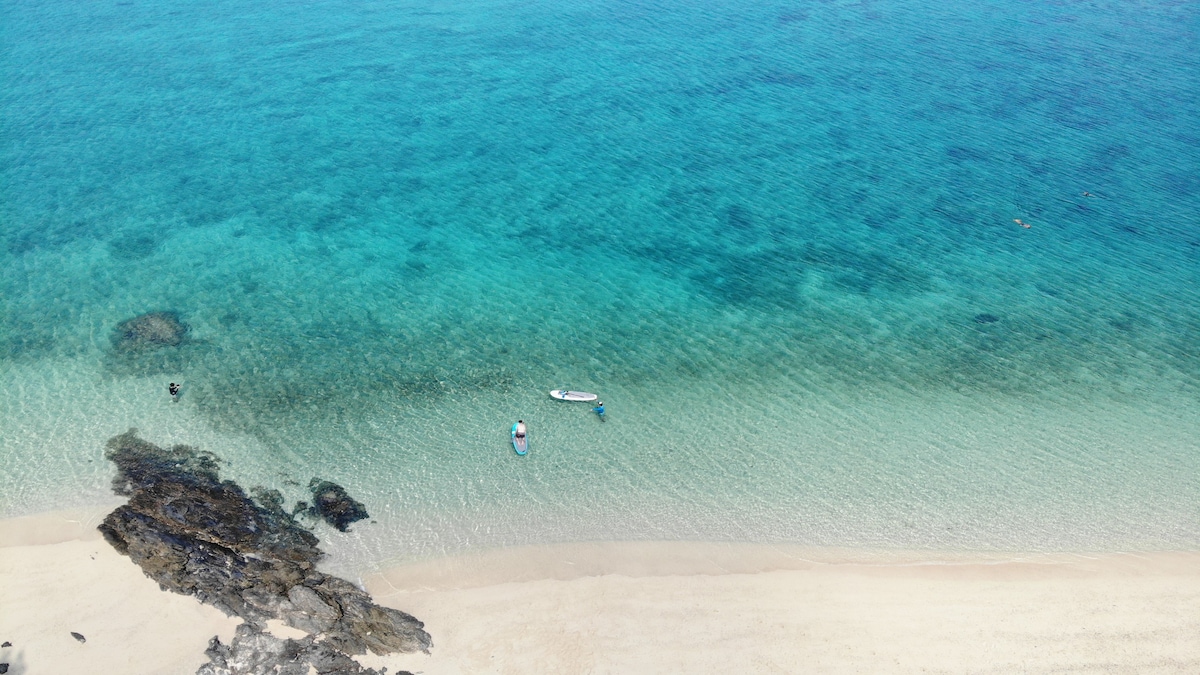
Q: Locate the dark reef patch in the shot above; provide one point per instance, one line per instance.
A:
(886, 215)
(153, 330)
(197, 535)
(50, 234)
(960, 153)
(133, 245)
(738, 217)
(961, 216)
(334, 505)
(784, 78)
(151, 344)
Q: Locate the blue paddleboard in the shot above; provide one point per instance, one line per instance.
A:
(521, 445)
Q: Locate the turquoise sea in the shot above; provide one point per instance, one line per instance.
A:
(777, 238)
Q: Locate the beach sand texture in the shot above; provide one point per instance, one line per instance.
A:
(659, 607)
(1105, 616)
(913, 279)
(50, 588)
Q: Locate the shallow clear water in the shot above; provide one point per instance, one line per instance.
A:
(777, 238)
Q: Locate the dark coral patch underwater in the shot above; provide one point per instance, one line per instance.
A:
(152, 330)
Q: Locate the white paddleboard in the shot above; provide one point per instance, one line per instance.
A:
(564, 395)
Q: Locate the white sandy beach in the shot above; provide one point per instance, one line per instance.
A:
(645, 608)
(58, 576)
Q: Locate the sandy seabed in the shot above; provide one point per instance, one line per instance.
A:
(645, 607)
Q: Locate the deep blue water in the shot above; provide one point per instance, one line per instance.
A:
(383, 219)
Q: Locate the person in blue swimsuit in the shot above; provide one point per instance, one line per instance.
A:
(599, 409)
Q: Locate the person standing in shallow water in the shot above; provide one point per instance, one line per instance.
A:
(174, 390)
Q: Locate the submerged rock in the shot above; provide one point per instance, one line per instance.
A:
(149, 331)
(334, 504)
(198, 535)
(986, 318)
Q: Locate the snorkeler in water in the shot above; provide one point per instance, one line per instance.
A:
(174, 391)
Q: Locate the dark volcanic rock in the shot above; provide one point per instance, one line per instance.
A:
(149, 331)
(331, 502)
(198, 535)
(3, 668)
(253, 652)
(77, 636)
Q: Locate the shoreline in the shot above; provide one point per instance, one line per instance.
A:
(566, 561)
(648, 559)
(653, 606)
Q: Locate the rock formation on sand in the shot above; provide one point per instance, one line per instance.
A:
(253, 651)
(198, 535)
(149, 331)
